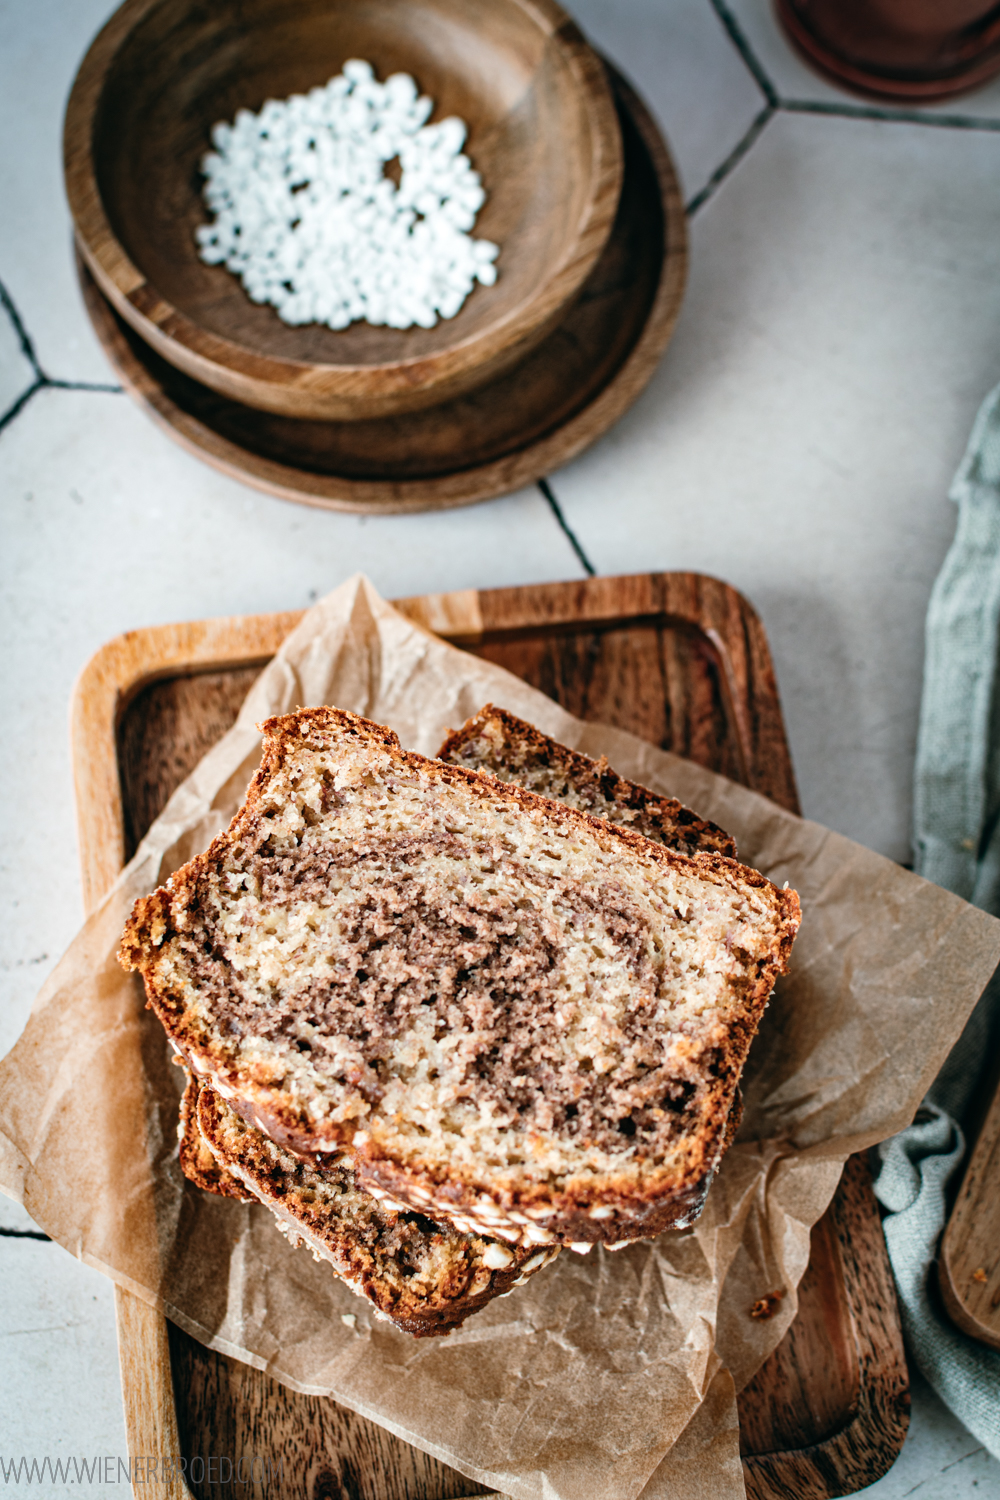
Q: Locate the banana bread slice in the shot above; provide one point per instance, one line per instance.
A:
(423, 1277)
(511, 749)
(510, 1013)
(507, 747)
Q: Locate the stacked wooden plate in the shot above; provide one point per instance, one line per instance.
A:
(582, 198)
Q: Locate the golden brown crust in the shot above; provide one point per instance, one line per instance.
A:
(734, 1121)
(425, 1278)
(497, 742)
(611, 1208)
(198, 1163)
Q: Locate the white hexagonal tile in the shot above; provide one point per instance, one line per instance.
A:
(839, 333)
(680, 59)
(60, 1397)
(43, 45)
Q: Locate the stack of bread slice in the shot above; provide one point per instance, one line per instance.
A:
(448, 1016)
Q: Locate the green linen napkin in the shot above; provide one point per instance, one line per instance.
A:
(957, 845)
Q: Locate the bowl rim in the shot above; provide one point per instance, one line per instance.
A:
(235, 369)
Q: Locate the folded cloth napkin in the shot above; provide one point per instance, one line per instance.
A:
(957, 845)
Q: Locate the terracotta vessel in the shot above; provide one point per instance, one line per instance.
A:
(904, 51)
(543, 130)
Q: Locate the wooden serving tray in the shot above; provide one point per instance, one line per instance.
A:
(677, 658)
(969, 1267)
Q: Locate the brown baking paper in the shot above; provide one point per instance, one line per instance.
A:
(608, 1374)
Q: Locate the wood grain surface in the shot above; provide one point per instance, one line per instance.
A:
(827, 1414)
(969, 1265)
(555, 403)
(150, 1408)
(543, 133)
(309, 1446)
(677, 658)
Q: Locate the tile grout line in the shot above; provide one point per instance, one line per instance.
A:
(101, 387)
(752, 63)
(556, 509)
(739, 151)
(27, 347)
(8, 416)
(772, 103)
(41, 381)
(776, 104)
(886, 115)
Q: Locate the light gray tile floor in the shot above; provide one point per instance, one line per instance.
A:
(60, 1396)
(839, 332)
(687, 71)
(841, 325)
(43, 44)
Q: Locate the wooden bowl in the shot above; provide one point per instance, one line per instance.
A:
(525, 423)
(543, 133)
(508, 432)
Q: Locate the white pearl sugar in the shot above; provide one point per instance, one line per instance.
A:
(307, 218)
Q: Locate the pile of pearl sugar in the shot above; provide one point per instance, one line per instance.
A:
(308, 219)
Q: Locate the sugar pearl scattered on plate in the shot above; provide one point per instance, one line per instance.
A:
(307, 217)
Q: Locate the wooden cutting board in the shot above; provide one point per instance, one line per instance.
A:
(676, 658)
(969, 1267)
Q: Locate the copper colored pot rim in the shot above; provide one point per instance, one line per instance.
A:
(905, 84)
